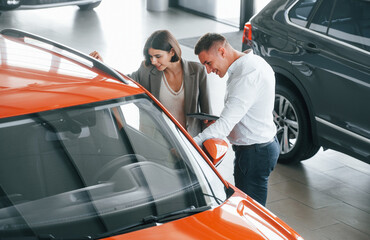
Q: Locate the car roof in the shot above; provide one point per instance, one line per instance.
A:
(36, 76)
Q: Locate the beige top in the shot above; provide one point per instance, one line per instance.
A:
(173, 101)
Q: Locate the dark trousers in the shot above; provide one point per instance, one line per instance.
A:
(252, 167)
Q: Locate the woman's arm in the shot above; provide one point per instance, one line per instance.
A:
(96, 55)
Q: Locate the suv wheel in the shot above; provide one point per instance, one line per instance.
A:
(88, 6)
(293, 128)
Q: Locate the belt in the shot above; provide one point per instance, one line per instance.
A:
(240, 147)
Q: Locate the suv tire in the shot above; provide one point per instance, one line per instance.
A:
(293, 127)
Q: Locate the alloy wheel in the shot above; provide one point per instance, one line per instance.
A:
(286, 121)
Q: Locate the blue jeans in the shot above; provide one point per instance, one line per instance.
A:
(252, 167)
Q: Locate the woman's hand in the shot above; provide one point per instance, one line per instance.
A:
(96, 55)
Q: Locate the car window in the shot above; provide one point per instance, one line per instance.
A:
(300, 12)
(87, 170)
(351, 23)
(321, 19)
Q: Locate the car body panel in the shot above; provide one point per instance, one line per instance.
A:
(332, 77)
(332, 101)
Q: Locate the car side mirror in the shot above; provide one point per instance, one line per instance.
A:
(216, 149)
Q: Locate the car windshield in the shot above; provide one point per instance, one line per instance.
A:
(99, 168)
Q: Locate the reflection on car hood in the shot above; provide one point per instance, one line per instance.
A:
(35, 79)
(239, 217)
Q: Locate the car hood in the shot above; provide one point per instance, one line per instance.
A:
(239, 217)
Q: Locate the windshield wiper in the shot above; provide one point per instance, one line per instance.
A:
(175, 215)
(51, 237)
(151, 220)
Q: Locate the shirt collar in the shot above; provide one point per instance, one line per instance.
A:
(235, 64)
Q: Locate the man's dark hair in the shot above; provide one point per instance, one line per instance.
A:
(207, 41)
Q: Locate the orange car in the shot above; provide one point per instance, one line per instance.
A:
(86, 153)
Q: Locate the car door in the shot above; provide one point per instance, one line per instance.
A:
(333, 60)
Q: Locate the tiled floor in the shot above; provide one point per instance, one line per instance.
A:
(325, 197)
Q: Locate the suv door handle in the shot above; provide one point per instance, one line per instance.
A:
(310, 47)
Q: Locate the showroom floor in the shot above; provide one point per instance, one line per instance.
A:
(325, 197)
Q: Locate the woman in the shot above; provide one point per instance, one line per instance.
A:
(180, 85)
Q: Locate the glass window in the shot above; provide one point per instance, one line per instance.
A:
(94, 169)
(320, 21)
(351, 23)
(300, 13)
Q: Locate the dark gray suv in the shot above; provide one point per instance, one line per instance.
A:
(319, 50)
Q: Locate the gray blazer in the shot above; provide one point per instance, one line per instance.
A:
(195, 86)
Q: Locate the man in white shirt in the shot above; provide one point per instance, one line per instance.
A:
(247, 117)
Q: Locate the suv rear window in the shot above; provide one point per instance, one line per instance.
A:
(320, 22)
(350, 23)
(300, 12)
(344, 20)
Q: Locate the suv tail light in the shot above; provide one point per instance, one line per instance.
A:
(247, 34)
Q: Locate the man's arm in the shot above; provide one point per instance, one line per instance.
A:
(240, 97)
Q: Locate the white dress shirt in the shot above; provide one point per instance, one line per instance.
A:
(247, 116)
